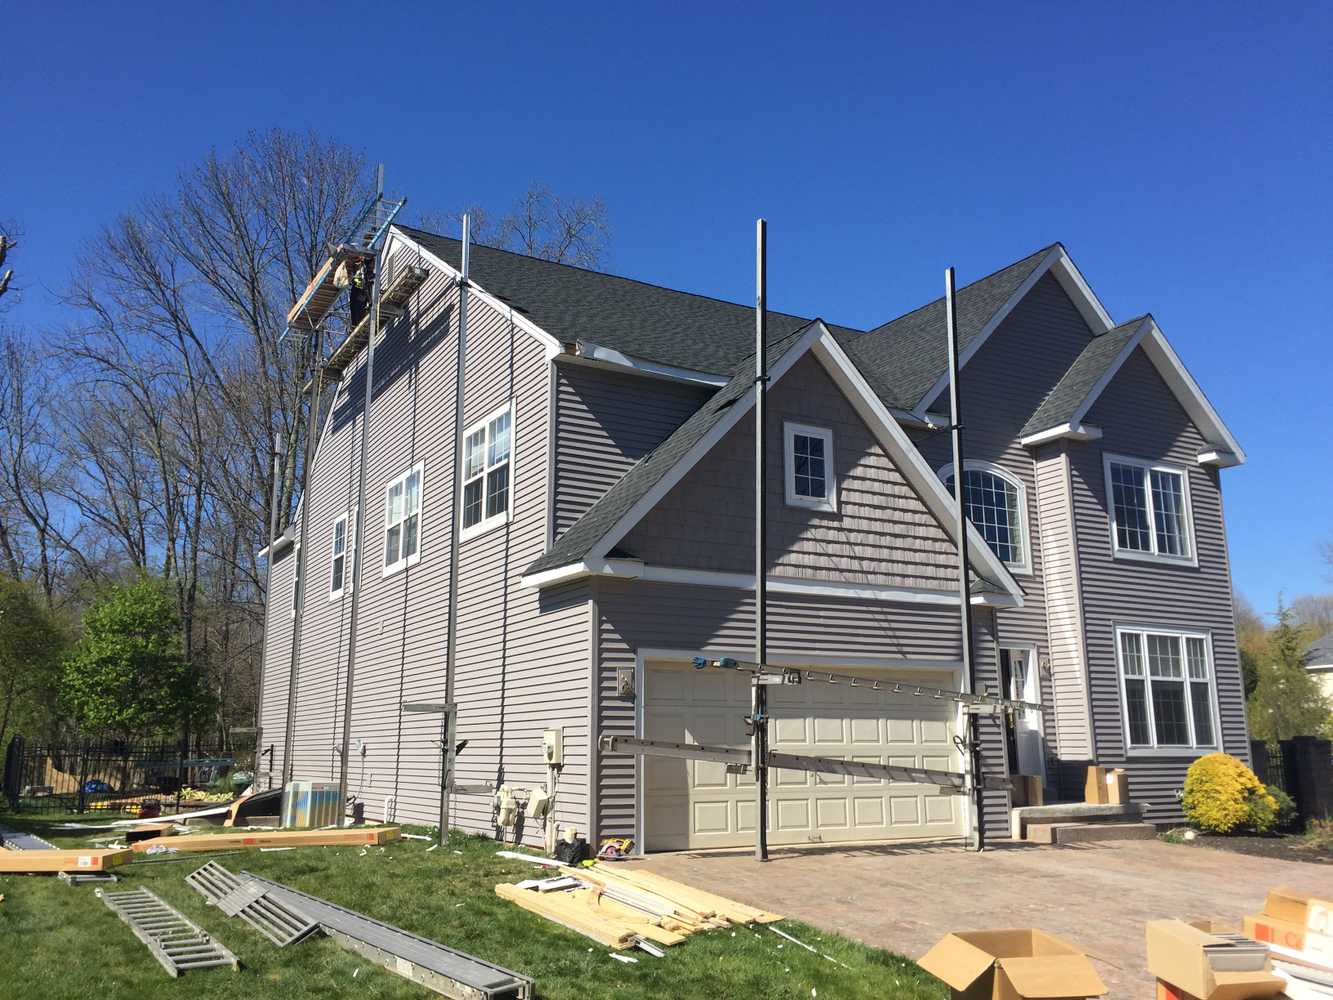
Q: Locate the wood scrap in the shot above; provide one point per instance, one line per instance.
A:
(686, 895)
(572, 914)
(276, 838)
(51, 862)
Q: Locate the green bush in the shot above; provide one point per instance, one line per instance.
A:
(1222, 795)
(1284, 816)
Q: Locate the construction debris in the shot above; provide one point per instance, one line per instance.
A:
(425, 962)
(50, 862)
(280, 923)
(619, 907)
(275, 838)
(179, 944)
(74, 878)
(16, 841)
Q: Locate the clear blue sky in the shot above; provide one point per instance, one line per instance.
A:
(1183, 156)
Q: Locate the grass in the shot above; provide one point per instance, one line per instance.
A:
(58, 942)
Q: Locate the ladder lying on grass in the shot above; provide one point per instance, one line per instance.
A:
(179, 944)
(253, 903)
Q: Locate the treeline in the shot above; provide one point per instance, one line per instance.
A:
(1283, 698)
(139, 442)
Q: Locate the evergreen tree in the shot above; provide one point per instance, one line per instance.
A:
(1287, 701)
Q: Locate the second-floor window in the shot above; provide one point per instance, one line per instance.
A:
(342, 556)
(996, 505)
(1167, 687)
(487, 478)
(808, 455)
(1149, 507)
(402, 520)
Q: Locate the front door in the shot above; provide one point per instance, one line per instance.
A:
(1025, 736)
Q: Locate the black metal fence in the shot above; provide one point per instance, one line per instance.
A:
(112, 776)
(1303, 768)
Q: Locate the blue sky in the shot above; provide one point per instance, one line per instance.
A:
(1181, 152)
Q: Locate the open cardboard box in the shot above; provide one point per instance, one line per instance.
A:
(1296, 907)
(1177, 957)
(1012, 965)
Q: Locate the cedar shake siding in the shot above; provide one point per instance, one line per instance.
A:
(1001, 386)
(1141, 418)
(605, 422)
(881, 533)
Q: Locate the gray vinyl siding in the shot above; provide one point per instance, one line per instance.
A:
(881, 533)
(522, 656)
(633, 616)
(1141, 418)
(605, 422)
(277, 661)
(1002, 384)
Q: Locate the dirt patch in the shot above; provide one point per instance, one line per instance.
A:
(1286, 847)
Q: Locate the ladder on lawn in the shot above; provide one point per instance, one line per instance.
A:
(253, 903)
(179, 944)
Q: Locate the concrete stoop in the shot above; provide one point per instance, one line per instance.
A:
(1087, 833)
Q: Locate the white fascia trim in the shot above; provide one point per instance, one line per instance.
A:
(730, 419)
(1071, 431)
(1191, 397)
(1217, 457)
(550, 343)
(633, 569)
(1100, 385)
(1058, 261)
(894, 440)
(609, 356)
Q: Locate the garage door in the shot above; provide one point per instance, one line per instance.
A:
(697, 804)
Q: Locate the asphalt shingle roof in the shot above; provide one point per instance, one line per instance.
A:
(1067, 395)
(579, 540)
(1320, 652)
(638, 319)
(905, 357)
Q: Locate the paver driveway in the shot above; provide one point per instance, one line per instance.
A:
(905, 898)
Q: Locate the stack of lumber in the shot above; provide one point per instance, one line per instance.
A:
(617, 906)
(51, 862)
(273, 838)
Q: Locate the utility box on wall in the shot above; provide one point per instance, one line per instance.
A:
(553, 747)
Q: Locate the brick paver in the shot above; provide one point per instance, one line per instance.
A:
(905, 898)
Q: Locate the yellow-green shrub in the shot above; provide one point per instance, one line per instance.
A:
(1222, 795)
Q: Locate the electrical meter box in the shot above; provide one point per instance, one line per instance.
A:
(553, 747)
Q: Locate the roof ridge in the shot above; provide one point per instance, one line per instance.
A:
(976, 281)
(608, 274)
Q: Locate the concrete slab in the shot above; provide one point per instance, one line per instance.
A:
(906, 897)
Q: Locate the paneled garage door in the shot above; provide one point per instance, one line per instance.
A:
(697, 804)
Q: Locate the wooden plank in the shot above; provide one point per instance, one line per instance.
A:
(573, 915)
(50, 862)
(678, 892)
(273, 838)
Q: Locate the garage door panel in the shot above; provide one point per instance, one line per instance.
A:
(838, 721)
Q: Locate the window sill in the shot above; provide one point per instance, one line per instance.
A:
(401, 565)
(1129, 555)
(483, 527)
(338, 595)
(804, 503)
(1180, 753)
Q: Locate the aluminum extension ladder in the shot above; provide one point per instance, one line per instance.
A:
(179, 944)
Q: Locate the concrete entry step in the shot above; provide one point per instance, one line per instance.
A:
(1086, 833)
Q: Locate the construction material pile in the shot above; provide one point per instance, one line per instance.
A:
(623, 907)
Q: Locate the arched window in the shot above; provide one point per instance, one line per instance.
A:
(994, 503)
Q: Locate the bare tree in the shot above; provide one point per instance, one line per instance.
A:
(1313, 612)
(9, 236)
(541, 224)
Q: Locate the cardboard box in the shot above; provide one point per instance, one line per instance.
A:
(1012, 965)
(1117, 786)
(1027, 790)
(1286, 934)
(1094, 787)
(1295, 907)
(1177, 956)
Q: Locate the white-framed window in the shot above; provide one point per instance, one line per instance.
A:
(488, 485)
(1149, 508)
(808, 459)
(402, 520)
(996, 503)
(1167, 689)
(342, 556)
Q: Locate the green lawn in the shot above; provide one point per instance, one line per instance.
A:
(59, 942)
